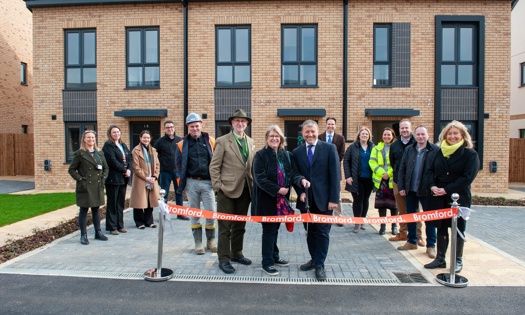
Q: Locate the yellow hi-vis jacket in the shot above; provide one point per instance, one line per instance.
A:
(377, 162)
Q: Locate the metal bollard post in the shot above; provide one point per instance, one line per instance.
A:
(165, 274)
(451, 279)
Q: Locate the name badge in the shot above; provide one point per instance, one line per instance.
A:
(99, 167)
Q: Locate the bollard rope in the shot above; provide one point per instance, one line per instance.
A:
(431, 215)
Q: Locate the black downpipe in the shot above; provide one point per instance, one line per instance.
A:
(345, 69)
(185, 54)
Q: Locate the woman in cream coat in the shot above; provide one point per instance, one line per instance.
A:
(145, 188)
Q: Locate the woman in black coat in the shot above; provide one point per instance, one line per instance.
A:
(274, 171)
(89, 169)
(358, 174)
(453, 169)
(118, 158)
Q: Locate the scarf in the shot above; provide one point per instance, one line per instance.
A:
(448, 149)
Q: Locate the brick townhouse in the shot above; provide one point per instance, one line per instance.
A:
(369, 63)
(16, 61)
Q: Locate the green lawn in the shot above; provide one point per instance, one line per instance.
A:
(14, 208)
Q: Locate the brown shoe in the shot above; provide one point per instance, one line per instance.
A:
(123, 230)
(114, 232)
(407, 246)
(431, 252)
(399, 237)
(420, 243)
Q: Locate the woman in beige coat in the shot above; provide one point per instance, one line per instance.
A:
(145, 189)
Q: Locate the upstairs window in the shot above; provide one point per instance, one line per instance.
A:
(23, 73)
(142, 58)
(81, 59)
(233, 57)
(299, 56)
(459, 55)
(382, 55)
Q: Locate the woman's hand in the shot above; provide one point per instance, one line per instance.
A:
(350, 181)
(150, 180)
(283, 191)
(438, 191)
(305, 183)
(127, 173)
(302, 197)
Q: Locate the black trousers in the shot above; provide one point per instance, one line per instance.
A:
(115, 199)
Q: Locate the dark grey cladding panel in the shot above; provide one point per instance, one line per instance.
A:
(79, 105)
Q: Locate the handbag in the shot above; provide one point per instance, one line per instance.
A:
(385, 196)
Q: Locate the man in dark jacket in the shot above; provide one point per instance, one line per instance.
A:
(194, 153)
(339, 141)
(396, 154)
(166, 147)
(412, 185)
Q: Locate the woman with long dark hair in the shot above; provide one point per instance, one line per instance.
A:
(145, 188)
(382, 173)
(118, 158)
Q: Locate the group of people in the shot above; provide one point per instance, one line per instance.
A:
(227, 174)
(410, 171)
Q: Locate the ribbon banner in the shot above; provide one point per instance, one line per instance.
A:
(432, 215)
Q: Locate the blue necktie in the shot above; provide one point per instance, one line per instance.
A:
(310, 154)
(329, 138)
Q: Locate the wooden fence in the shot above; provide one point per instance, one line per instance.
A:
(16, 154)
(517, 160)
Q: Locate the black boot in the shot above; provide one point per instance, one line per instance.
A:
(100, 236)
(442, 245)
(459, 254)
(84, 239)
(394, 229)
(382, 213)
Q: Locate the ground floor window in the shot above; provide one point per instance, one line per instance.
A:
(74, 131)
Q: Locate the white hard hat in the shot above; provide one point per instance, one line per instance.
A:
(193, 117)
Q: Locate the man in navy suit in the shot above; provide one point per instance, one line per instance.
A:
(318, 162)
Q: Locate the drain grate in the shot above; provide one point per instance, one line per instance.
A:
(410, 277)
(196, 278)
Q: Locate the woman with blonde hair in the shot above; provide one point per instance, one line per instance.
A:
(274, 172)
(89, 169)
(452, 169)
(358, 174)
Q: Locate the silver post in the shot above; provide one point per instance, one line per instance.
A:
(451, 279)
(159, 274)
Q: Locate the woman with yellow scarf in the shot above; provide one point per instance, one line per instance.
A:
(453, 169)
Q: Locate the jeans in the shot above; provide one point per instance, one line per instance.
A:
(197, 190)
(166, 178)
(269, 249)
(412, 203)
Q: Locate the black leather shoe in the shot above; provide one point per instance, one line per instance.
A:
(226, 267)
(308, 266)
(100, 236)
(242, 260)
(320, 274)
(183, 217)
(84, 240)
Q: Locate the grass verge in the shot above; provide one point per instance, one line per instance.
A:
(20, 207)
